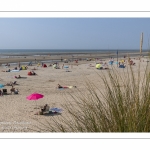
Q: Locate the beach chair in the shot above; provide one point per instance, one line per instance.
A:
(5, 91)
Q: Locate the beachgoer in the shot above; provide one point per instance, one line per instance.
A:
(16, 77)
(34, 68)
(16, 91)
(59, 86)
(29, 73)
(1, 93)
(45, 108)
(8, 70)
(62, 66)
(19, 76)
(19, 64)
(33, 73)
(12, 89)
(41, 112)
(9, 84)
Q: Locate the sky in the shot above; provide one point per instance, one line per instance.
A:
(74, 33)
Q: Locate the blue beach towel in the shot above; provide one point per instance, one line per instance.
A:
(55, 110)
(121, 66)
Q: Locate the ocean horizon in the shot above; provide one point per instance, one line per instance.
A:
(66, 51)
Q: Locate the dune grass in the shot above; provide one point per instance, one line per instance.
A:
(120, 104)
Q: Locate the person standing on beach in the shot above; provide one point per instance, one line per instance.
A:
(62, 66)
(19, 64)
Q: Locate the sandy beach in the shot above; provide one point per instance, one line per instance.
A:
(17, 113)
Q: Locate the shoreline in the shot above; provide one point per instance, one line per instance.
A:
(25, 59)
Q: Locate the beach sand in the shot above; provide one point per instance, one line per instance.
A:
(17, 113)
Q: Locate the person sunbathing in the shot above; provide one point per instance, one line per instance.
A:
(16, 91)
(12, 89)
(6, 70)
(33, 73)
(9, 84)
(18, 77)
(59, 86)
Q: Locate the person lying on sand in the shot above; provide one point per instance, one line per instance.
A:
(59, 86)
(8, 84)
(18, 77)
(12, 89)
(6, 70)
(11, 83)
(33, 73)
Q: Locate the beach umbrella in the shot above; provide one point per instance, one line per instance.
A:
(34, 97)
(98, 66)
(1, 85)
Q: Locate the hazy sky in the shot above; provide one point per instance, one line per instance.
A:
(74, 33)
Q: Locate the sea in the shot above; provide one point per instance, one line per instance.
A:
(36, 52)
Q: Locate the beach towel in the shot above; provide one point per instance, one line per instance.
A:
(121, 66)
(58, 110)
(14, 70)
